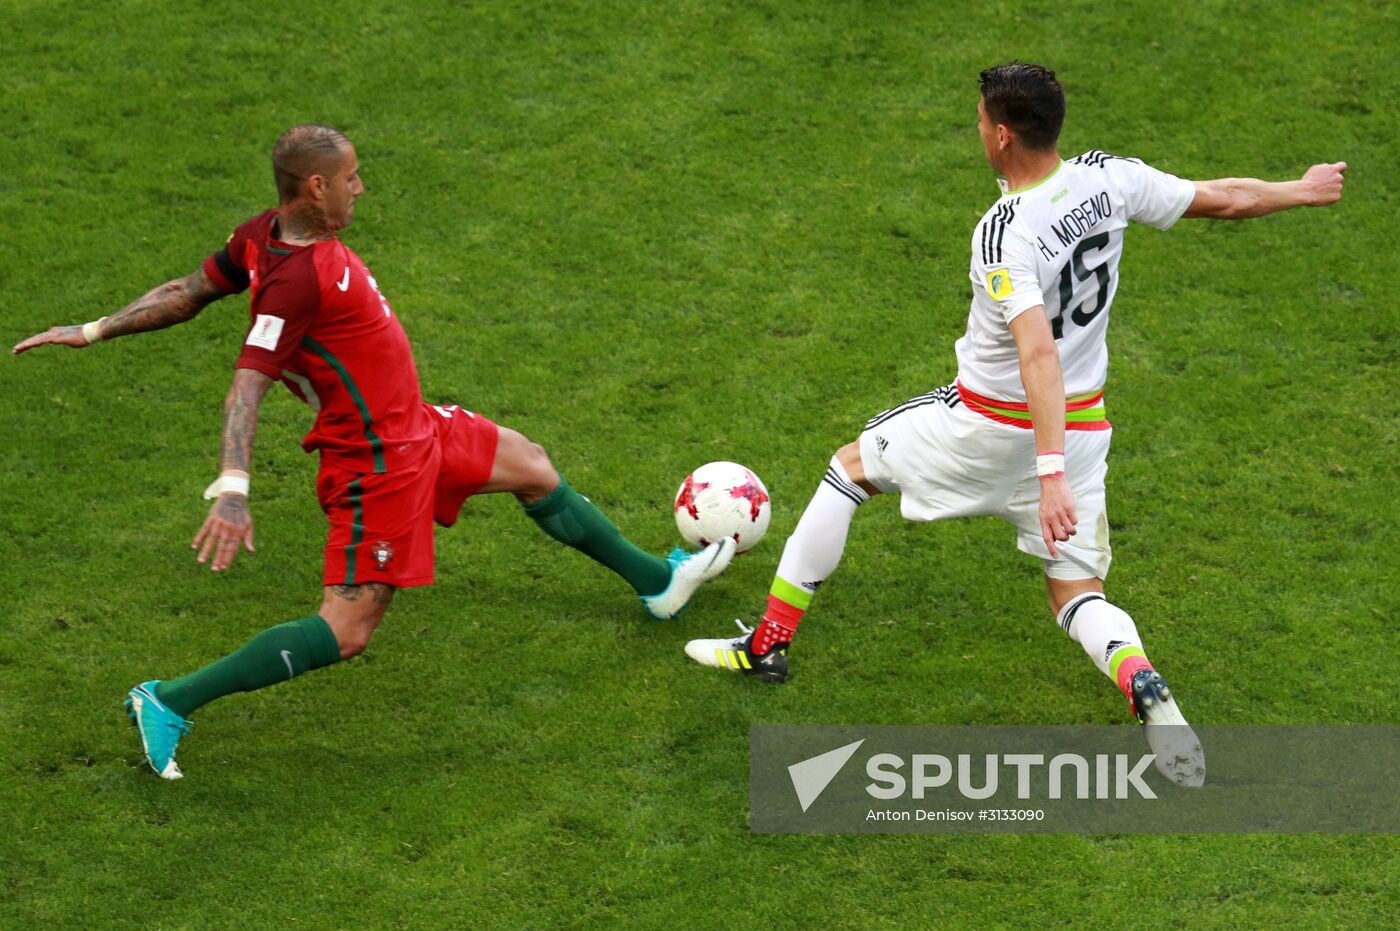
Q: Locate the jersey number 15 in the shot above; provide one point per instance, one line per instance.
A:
(1074, 272)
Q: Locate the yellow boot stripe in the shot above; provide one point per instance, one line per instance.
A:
(743, 658)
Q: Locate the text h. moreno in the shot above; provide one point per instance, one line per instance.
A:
(1066, 775)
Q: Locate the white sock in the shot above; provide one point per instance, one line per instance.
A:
(1104, 630)
(814, 549)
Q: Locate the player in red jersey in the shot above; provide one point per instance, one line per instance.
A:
(390, 465)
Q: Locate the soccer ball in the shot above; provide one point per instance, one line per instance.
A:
(722, 499)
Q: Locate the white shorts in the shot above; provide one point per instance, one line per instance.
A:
(947, 461)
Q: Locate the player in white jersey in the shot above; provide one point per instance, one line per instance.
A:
(1023, 432)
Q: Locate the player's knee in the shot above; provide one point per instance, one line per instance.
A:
(539, 459)
(538, 474)
(849, 457)
(523, 467)
(353, 612)
(354, 633)
(353, 640)
(1062, 591)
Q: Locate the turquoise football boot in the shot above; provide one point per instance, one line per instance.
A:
(161, 728)
(688, 572)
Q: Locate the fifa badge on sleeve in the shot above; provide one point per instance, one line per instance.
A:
(999, 283)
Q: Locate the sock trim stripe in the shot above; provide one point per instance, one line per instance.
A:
(1119, 656)
(786, 592)
(1073, 608)
(844, 490)
(843, 480)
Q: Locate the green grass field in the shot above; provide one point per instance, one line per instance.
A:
(651, 235)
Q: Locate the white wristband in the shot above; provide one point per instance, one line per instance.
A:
(1050, 464)
(228, 484)
(92, 332)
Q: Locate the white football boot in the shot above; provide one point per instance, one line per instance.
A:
(1179, 754)
(736, 654)
(688, 572)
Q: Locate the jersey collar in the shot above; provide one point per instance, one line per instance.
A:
(1006, 187)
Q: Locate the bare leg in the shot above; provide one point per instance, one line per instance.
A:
(353, 612)
(521, 468)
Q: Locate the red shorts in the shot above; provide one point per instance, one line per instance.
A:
(382, 523)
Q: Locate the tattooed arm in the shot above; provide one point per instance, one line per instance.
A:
(229, 523)
(171, 303)
(241, 419)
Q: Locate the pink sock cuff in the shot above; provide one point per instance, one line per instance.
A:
(1127, 669)
(781, 614)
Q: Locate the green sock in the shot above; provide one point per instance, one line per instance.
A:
(275, 655)
(572, 519)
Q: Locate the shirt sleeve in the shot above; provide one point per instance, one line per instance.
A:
(224, 269)
(1153, 197)
(285, 311)
(1004, 270)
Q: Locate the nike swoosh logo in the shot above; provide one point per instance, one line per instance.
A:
(287, 658)
(344, 283)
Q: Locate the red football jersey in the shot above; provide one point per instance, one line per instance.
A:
(320, 325)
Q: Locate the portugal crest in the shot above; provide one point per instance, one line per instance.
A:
(383, 552)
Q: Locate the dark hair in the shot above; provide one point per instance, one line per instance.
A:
(1028, 99)
(303, 151)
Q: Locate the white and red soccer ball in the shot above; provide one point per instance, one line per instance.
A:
(722, 499)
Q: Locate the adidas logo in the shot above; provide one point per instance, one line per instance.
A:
(1113, 645)
(880, 444)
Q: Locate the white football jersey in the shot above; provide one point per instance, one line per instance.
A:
(1058, 244)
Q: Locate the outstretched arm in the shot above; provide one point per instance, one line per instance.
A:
(1243, 198)
(229, 523)
(1045, 396)
(171, 303)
